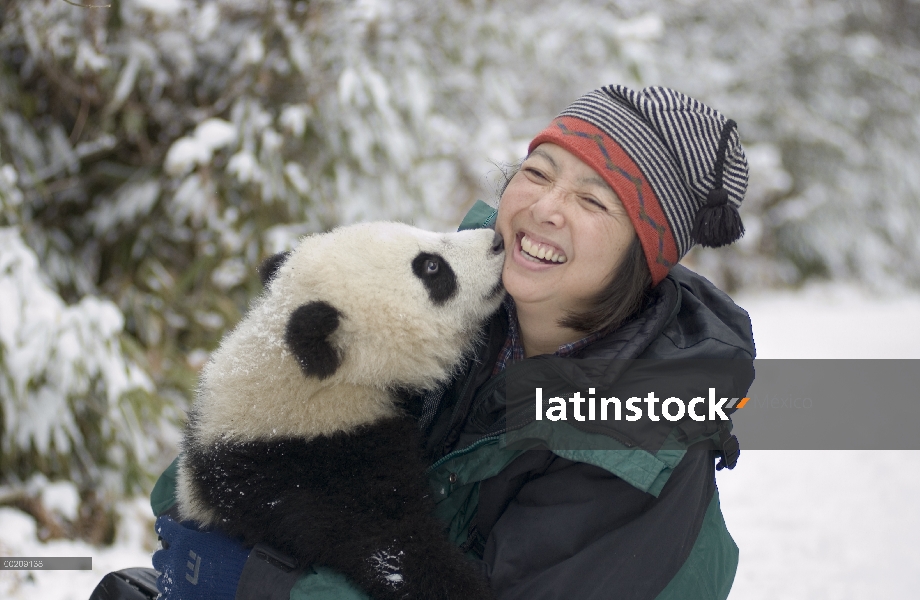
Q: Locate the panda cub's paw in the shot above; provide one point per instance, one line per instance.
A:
(387, 565)
(439, 572)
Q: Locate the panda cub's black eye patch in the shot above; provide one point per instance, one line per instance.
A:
(436, 275)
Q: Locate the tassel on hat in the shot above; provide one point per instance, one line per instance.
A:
(717, 223)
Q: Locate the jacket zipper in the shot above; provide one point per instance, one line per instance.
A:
(480, 442)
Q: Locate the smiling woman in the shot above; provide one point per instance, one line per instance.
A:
(611, 195)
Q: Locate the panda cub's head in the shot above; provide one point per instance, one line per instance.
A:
(346, 317)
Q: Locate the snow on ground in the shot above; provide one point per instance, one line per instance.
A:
(810, 525)
(839, 321)
(828, 525)
(132, 548)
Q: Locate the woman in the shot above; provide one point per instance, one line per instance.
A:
(611, 195)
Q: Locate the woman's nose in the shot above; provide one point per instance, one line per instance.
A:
(549, 206)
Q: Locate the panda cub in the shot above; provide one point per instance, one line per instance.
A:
(296, 437)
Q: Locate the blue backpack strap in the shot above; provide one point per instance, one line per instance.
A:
(480, 216)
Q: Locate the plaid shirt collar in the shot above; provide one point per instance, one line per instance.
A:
(513, 351)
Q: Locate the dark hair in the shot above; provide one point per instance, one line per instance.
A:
(620, 299)
(624, 294)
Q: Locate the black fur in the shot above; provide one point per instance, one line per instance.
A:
(270, 266)
(307, 337)
(338, 501)
(436, 274)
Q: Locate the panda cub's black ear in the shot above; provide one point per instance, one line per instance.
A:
(307, 337)
(270, 266)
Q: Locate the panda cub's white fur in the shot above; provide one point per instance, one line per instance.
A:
(346, 318)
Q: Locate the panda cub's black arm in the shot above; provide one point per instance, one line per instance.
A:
(356, 502)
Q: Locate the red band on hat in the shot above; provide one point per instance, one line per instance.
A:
(600, 152)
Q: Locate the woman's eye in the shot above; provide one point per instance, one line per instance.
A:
(595, 203)
(431, 267)
(534, 172)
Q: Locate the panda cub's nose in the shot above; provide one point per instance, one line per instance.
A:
(498, 244)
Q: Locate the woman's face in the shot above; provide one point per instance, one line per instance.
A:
(565, 232)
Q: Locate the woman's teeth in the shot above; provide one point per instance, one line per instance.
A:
(541, 251)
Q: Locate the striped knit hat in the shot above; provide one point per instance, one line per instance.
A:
(676, 165)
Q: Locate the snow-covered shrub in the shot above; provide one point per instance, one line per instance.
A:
(71, 403)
